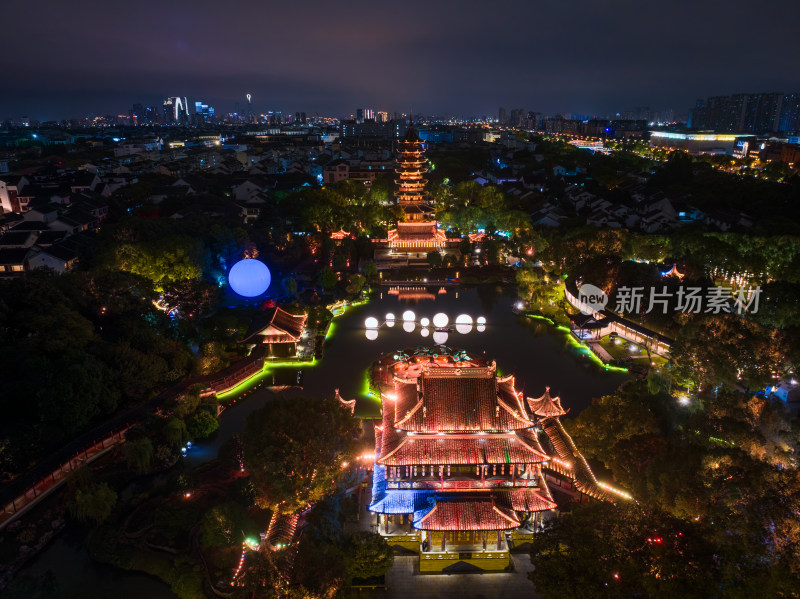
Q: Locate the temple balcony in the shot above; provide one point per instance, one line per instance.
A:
(461, 481)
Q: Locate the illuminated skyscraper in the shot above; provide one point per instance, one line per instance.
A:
(202, 112)
(176, 110)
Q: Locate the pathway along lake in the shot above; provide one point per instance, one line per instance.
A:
(537, 353)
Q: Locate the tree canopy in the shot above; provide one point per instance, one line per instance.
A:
(296, 448)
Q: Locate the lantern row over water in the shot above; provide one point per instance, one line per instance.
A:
(441, 325)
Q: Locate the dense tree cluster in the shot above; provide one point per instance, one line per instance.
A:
(82, 344)
(297, 449)
(717, 495)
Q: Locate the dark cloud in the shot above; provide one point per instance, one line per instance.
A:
(467, 57)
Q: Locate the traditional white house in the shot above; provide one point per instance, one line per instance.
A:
(59, 257)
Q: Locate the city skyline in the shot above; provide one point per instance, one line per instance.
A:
(457, 59)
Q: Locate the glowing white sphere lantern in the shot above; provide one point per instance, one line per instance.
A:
(425, 332)
(372, 334)
(408, 326)
(440, 320)
(481, 320)
(409, 316)
(464, 319)
(389, 316)
(480, 328)
(249, 277)
(371, 323)
(440, 337)
(425, 321)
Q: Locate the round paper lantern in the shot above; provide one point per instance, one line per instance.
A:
(249, 277)
(481, 320)
(425, 321)
(425, 332)
(389, 316)
(440, 320)
(371, 323)
(464, 319)
(409, 316)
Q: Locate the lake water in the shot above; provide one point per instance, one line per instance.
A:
(536, 353)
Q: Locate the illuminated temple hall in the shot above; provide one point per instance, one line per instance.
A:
(464, 463)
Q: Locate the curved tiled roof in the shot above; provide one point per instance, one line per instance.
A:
(546, 406)
(468, 514)
(457, 399)
(401, 449)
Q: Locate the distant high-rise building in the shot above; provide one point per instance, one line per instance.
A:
(790, 113)
(516, 118)
(501, 116)
(752, 113)
(359, 115)
(382, 117)
(250, 116)
(763, 112)
(137, 114)
(176, 110)
(369, 114)
(203, 112)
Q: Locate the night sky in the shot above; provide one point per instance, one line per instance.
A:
(73, 58)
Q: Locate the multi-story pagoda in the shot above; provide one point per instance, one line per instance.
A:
(418, 233)
(460, 467)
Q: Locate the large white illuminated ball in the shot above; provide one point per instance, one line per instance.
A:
(440, 337)
(425, 321)
(371, 323)
(409, 316)
(463, 323)
(440, 320)
(372, 334)
(249, 277)
(389, 316)
(481, 320)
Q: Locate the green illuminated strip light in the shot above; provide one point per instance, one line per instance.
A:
(540, 317)
(245, 384)
(588, 351)
(722, 441)
(331, 327)
(366, 388)
(257, 376)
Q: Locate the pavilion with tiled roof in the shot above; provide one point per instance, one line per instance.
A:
(546, 406)
(275, 326)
